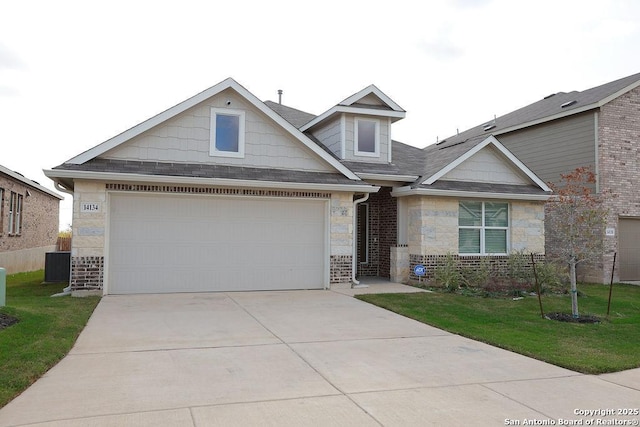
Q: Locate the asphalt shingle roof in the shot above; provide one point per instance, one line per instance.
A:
(297, 118)
(198, 170)
(547, 107)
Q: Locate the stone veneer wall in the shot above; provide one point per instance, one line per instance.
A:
(88, 242)
(618, 169)
(341, 238)
(433, 233)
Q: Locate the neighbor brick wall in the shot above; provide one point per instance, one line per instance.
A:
(40, 217)
(619, 167)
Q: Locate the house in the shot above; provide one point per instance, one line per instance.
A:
(599, 128)
(29, 215)
(226, 192)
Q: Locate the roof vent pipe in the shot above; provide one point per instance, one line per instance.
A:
(279, 96)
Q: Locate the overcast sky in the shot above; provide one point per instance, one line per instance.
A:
(76, 73)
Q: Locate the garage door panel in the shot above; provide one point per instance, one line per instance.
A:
(171, 243)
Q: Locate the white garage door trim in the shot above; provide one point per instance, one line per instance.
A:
(308, 217)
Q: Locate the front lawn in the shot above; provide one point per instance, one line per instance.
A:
(45, 332)
(609, 346)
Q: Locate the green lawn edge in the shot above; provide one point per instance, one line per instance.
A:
(45, 333)
(516, 325)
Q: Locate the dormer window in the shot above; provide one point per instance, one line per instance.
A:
(367, 138)
(227, 133)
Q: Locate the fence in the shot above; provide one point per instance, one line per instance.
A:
(63, 244)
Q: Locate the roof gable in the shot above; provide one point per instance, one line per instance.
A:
(186, 138)
(464, 153)
(369, 101)
(487, 165)
(178, 109)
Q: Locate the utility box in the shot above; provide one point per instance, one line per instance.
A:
(3, 287)
(57, 267)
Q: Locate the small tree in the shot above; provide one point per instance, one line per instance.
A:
(576, 218)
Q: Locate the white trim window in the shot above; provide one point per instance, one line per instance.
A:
(227, 133)
(367, 137)
(15, 214)
(1, 211)
(483, 228)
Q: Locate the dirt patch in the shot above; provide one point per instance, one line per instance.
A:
(565, 317)
(6, 321)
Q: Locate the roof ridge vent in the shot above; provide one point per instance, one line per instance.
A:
(567, 104)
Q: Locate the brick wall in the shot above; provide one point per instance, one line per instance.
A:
(40, 217)
(340, 268)
(499, 264)
(383, 232)
(619, 168)
(87, 272)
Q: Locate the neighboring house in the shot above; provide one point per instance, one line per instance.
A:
(29, 215)
(225, 192)
(600, 128)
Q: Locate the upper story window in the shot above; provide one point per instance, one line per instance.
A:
(367, 138)
(227, 133)
(15, 214)
(483, 228)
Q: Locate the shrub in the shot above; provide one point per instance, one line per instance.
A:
(477, 276)
(447, 274)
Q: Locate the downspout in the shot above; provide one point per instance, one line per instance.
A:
(67, 290)
(354, 255)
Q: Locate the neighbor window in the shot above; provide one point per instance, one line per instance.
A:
(227, 133)
(1, 211)
(15, 213)
(367, 139)
(483, 228)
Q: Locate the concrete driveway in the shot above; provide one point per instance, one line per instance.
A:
(296, 358)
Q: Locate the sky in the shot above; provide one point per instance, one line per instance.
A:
(76, 73)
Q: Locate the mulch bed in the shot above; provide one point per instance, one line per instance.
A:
(6, 321)
(565, 317)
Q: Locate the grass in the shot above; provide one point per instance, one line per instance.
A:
(609, 346)
(45, 333)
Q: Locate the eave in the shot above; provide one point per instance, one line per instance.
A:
(408, 191)
(338, 109)
(66, 175)
(388, 177)
(29, 183)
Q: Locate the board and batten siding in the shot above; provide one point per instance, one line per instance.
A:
(556, 147)
(186, 139)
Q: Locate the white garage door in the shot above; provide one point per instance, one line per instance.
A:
(173, 243)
